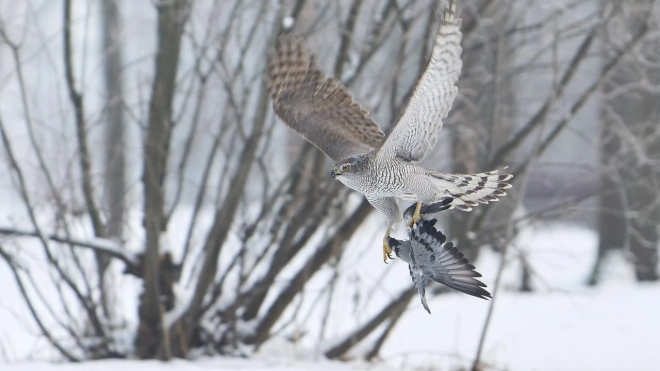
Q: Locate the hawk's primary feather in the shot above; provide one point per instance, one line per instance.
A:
(317, 107)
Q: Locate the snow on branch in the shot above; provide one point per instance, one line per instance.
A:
(100, 245)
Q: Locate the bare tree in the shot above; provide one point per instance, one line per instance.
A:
(115, 126)
(629, 214)
(240, 235)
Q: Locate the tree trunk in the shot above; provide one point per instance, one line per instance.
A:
(628, 215)
(171, 20)
(115, 179)
(611, 223)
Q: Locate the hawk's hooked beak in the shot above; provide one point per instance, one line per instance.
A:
(335, 172)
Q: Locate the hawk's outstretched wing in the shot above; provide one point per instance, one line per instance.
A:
(430, 257)
(317, 107)
(417, 129)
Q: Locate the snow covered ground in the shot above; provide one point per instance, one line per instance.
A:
(180, 365)
(562, 325)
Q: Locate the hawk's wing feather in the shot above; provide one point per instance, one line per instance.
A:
(416, 131)
(317, 107)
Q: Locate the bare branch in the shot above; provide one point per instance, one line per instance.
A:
(81, 130)
(99, 245)
(577, 105)
(347, 229)
(359, 334)
(14, 268)
(540, 115)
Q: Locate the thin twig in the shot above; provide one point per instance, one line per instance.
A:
(44, 330)
(81, 130)
(106, 247)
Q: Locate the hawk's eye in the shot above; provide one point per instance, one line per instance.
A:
(344, 168)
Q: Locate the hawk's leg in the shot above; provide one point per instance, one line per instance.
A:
(390, 208)
(416, 215)
(387, 250)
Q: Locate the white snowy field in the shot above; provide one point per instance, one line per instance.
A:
(562, 325)
(181, 365)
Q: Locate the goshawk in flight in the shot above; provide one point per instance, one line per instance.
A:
(382, 167)
(430, 257)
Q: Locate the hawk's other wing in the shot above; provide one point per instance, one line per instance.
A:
(417, 129)
(317, 107)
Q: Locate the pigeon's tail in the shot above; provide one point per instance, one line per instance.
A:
(420, 281)
(469, 191)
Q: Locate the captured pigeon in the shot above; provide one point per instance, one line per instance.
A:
(430, 257)
(426, 210)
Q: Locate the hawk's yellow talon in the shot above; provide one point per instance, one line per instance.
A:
(416, 215)
(387, 250)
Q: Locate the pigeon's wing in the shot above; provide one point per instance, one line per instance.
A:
(401, 248)
(429, 256)
(452, 269)
(442, 262)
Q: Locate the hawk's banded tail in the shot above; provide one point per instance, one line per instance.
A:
(471, 190)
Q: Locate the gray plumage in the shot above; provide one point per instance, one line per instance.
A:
(429, 256)
(323, 111)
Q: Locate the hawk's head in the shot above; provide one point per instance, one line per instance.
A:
(349, 169)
